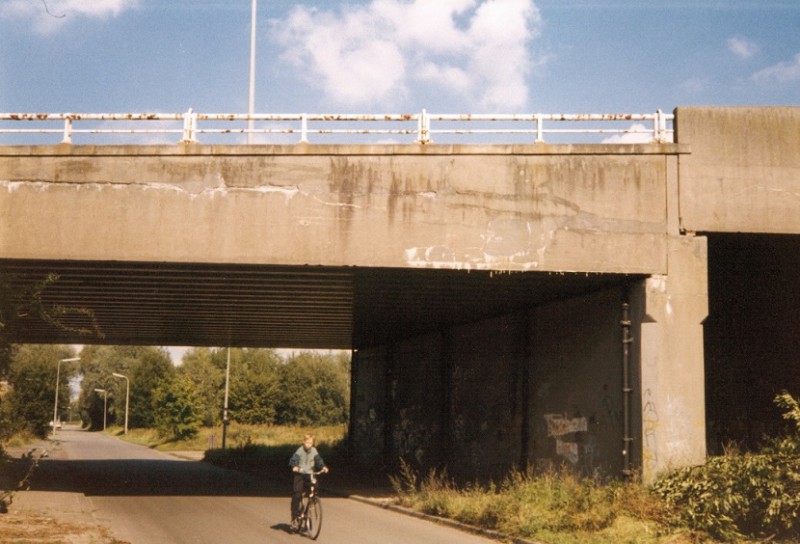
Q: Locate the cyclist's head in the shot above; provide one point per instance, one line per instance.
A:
(308, 442)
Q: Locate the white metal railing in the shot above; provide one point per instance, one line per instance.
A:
(657, 127)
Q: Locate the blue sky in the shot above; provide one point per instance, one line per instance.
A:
(397, 56)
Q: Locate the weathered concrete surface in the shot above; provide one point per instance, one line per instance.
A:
(743, 172)
(576, 392)
(545, 386)
(536, 207)
(539, 384)
(670, 351)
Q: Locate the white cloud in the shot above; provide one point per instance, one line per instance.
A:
(782, 72)
(742, 47)
(49, 15)
(475, 50)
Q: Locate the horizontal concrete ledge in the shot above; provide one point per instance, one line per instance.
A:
(199, 150)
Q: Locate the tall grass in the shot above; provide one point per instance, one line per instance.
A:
(556, 506)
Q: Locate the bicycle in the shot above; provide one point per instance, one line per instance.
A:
(309, 522)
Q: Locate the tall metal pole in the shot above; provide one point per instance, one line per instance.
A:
(58, 379)
(252, 94)
(105, 405)
(55, 407)
(127, 396)
(225, 407)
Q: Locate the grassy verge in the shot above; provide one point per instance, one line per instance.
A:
(237, 436)
(555, 507)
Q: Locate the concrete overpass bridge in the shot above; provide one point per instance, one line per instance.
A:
(614, 306)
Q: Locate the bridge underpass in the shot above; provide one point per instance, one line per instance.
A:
(489, 292)
(179, 304)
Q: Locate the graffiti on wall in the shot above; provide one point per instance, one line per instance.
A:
(650, 427)
(558, 426)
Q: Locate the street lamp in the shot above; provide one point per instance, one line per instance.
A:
(58, 378)
(105, 405)
(127, 396)
(252, 94)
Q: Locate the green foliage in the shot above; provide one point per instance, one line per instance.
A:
(176, 408)
(268, 449)
(151, 368)
(737, 495)
(146, 368)
(32, 378)
(209, 382)
(96, 366)
(21, 298)
(254, 386)
(314, 389)
(550, 506)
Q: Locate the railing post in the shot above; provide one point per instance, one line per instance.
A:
(423, 128)
(304, 128)
(660, 127)
(539, 130)
(67, 131)
(189, 127)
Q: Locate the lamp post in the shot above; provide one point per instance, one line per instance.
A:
(58, 378)
(252, 93)
(105, 405)
(225, 406)
(127, 396)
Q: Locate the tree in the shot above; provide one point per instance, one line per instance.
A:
(255, 382)
(146, 368)
(151, 368)
(176, 408)
(32, 378)
(314, 390)
(208, 380)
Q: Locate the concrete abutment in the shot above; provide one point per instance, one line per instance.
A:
(545, 386)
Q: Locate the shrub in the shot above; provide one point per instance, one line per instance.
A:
(737, 495)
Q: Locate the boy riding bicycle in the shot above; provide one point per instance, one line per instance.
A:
(305, 461)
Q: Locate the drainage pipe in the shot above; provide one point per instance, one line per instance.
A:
(627, 391)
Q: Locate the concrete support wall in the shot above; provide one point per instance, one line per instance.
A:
(453, 399)
(545, 386)
(577, 400)
(368, 412)
(670, 349)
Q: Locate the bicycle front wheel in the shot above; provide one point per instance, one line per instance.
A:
(314, 518)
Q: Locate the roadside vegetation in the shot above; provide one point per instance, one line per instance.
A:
(736, 497)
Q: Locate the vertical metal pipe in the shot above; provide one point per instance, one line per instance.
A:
(626, 389)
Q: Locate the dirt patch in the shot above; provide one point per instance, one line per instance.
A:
(30, 527)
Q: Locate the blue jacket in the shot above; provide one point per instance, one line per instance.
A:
(308, 461)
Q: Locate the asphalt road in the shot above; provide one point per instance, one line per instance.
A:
(145, 496)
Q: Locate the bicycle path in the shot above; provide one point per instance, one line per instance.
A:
(144, 496)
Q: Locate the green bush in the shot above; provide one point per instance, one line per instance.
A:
(176, 408)
(742, 495)
(753, 495)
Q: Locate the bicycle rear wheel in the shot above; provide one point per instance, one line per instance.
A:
(314, 514)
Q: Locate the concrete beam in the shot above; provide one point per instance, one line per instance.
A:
(535, 207)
